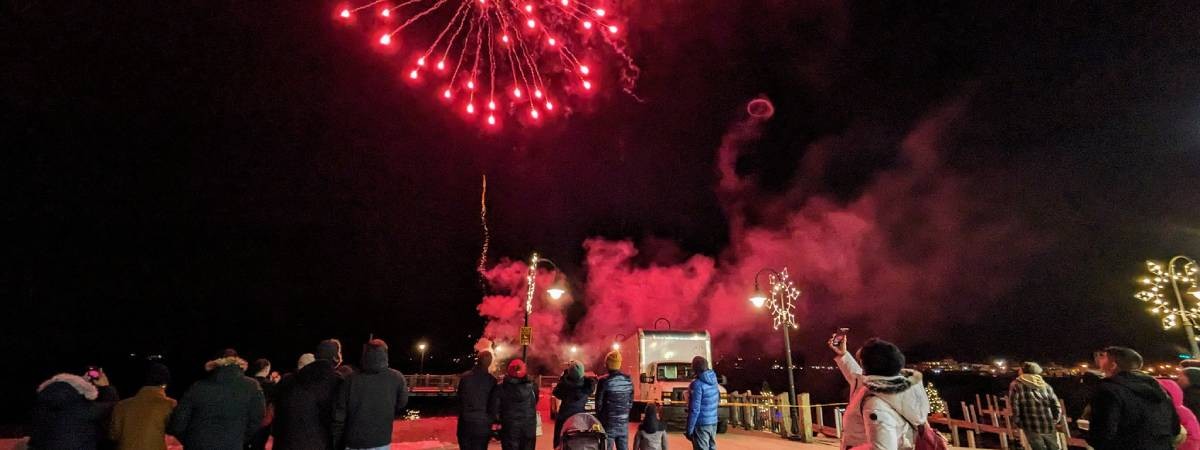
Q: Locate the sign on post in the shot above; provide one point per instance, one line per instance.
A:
(526, 335)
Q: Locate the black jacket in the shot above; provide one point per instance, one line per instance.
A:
(614, 400)
(368, 402)
(574, 395)
(1131, 411)
(474, 394)
(64, 418)
(304, 408)
(515, 402)
(220, 412)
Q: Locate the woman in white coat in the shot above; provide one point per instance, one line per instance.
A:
(887, 401)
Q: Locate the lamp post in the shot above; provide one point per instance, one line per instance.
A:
(421, 347)
(556, 291)
(1157, 282)
(780, 302)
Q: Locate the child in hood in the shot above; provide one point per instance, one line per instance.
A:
(651, 434)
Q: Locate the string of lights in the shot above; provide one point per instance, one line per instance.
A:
(526, 59)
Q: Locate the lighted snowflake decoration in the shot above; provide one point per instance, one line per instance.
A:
(1158, 282)
(782, 301)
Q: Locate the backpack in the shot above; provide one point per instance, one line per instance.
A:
(924, 436)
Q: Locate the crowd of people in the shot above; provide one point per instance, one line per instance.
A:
(323, 405)
(889, 409)
(326, 405)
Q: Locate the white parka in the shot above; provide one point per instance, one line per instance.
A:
(876, 422)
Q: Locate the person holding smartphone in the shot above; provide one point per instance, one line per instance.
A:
(71, 411)
(887, 402)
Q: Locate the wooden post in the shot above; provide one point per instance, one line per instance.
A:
(785, 409)
(954, 435)
(806, 428)
(971, 439)
(821, 418)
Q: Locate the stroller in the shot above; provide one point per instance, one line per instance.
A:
(582, 432)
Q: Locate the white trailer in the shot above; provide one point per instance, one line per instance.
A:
(660, 361)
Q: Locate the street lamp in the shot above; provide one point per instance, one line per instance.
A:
(780, 302)
(421, 347)
(1156, 284)
(556, 291)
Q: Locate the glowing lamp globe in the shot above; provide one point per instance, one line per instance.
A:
(616, 346)
(758, 299)
(556, 292)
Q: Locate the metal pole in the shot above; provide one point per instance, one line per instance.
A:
(422, 370)
(1187, 321)
(524, 346)
(787, 346)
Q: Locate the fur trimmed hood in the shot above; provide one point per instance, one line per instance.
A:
(894, 384)
(226, 362)
(80, 384)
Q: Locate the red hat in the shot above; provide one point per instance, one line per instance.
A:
(516, 368)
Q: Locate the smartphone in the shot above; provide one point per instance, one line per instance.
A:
(840, 336)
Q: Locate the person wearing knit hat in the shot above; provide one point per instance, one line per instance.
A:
(573, 391)
(474, 393)
(305, 359)
(614, 400)
(140, 422)
(516, 399)
(1035, 408)
(304, 402)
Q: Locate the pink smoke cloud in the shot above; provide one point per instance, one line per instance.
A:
(920, 246)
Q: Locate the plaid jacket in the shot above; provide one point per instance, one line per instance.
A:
(1034, 406)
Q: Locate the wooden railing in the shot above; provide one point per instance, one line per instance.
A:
(432, 385)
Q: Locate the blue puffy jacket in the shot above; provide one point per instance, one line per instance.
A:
(614, 399)
(703, 398)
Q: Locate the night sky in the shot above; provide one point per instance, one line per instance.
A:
(186, 176)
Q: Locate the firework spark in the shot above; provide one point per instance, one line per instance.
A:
(529, 56)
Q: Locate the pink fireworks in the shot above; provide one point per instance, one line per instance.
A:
(553, 49)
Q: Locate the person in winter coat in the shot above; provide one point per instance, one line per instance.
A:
(260, 370)
(1035, 408)
(221, 411)
(474, 397)
(703, 397)
(70, 412)
(515, 403)
(369, 401)
(140, 422)
(1189, 380)
(1130, 409)
(1186, 419)
(651, 434)
(304, 402)
(614, 400)
(573, 390)
(887, 402)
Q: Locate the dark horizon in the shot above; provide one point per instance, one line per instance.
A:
(202, 175)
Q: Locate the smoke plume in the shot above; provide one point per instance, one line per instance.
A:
(918, 247)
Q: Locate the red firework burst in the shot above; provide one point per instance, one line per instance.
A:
(530, 57)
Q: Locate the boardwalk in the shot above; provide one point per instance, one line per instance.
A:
(438, 434)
